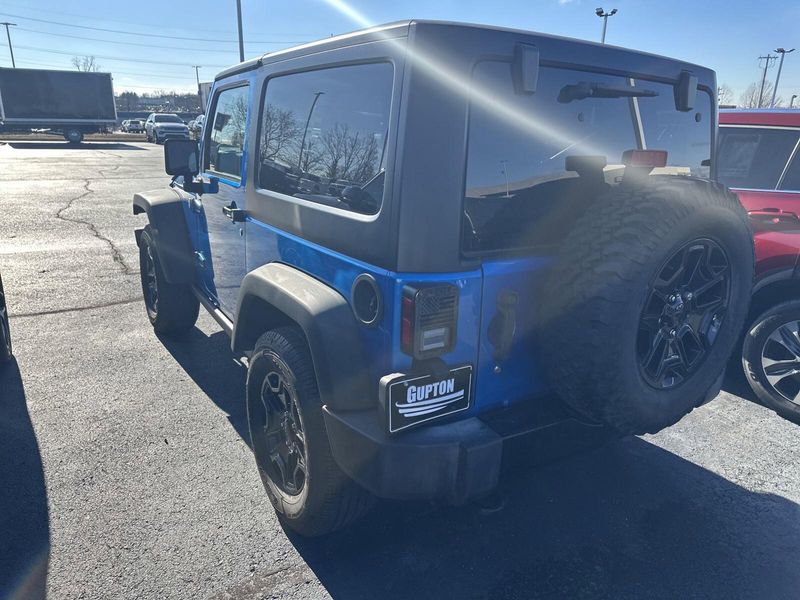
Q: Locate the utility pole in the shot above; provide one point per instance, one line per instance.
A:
(604, 15)
(305, 131)
(767, 63)
(197, 76)
(241, 39)
(10, 48)
(783, 52)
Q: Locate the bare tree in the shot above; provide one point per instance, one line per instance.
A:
(348, 155)
(280, 133)
(85, 63)
(725, 94)
(750, 97)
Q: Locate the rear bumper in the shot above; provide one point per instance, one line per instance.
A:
(455, 461)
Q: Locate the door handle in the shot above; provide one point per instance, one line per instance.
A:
(237, 215)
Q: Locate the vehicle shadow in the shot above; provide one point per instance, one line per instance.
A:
(628, 520)
(24, 522)
(208, 361)
(67, 146)
(625, 520)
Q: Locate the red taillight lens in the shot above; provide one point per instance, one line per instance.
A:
(429, 316)
(651, 159)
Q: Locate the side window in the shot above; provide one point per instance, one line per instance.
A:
(226, 140)
(753, 158)
(323, 135)
(791, 181)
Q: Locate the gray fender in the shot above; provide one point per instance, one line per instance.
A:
(165, 211)
(276, 295)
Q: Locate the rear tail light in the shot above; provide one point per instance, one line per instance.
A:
(429, 317)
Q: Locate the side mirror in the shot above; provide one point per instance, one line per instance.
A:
(181, 157)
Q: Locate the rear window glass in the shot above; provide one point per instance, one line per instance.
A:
(753, 157)
(533, 159)
(323, 136)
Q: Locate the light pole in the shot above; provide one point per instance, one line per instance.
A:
(241, 39)
(305, 131)
(783, 52)
(10, 48)
(197, 76)
(767, 62)
(604, 15)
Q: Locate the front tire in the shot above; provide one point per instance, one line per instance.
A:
(171, 308)
(771, 359)
(311, 495)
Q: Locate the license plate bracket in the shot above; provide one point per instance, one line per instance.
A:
(411, 400)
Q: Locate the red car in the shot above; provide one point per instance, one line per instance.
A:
(758, 157)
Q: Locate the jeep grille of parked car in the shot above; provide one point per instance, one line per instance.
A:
(429, 319)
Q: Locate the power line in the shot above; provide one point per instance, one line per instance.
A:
(120, 58)
(114, 72)
(25, 8)
(142, 44)
(156, 35)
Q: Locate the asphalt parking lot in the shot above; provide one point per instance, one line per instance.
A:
(126, 471)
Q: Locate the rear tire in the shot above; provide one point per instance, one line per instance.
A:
(73, 136)
(171, 308)
(311, 495)
(770, 354)
(619, 347)
(5, 331)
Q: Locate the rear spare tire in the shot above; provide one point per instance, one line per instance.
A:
(645, 301)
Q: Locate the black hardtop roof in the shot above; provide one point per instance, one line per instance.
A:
(400, 29)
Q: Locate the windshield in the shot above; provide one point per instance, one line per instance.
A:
(167, 119)
(582, 123)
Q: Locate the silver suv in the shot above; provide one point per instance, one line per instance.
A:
(163, 126)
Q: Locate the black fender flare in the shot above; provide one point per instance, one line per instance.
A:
(166, 212)
(275, 295)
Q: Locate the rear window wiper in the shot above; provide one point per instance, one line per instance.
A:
(583, 90)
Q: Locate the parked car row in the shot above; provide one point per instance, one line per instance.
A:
(132, 126)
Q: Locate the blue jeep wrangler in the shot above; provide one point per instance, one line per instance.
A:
(420, 234)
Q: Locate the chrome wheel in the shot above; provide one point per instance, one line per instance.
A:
(683, 312)
(285, 462)
(780, 359)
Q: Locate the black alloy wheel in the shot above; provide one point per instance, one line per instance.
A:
(683, 312)
(284, 443)
(150, 282)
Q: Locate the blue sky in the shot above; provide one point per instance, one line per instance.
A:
(727, 36)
